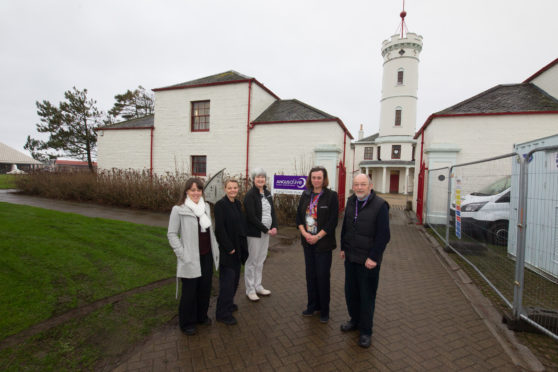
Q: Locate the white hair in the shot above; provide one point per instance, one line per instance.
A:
(258, 172)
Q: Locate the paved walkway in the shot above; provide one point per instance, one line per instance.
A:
(424, 320)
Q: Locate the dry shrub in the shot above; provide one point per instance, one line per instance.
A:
(133, 189)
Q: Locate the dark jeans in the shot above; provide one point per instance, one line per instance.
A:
(318, 268)
(361, 285)
(194, 300)
(228, 284)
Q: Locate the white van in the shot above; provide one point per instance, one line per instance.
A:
(485, 214)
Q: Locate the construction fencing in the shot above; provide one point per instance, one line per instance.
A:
(500, 215)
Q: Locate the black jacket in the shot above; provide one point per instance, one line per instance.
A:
(230, 231)
(368, 236)
(253, 208)
(328, 214)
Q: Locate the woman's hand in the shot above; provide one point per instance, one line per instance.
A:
(273, 231)
(232, 252)
(312, 239)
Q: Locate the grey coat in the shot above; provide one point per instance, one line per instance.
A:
(183, 238)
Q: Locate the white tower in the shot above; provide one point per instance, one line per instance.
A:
(398, 109)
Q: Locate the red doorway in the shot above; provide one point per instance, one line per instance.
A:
(394, 182)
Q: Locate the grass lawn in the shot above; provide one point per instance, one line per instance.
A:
(52, 262)
(7, 181)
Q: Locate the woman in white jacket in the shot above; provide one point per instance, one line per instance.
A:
(192, 238)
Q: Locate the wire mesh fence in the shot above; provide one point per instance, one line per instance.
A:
(476, 209)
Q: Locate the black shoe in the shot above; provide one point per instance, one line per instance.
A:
(309, 312)
(234, 308)
(228, 321)
(207, 321)
(364, 341)
(189, 331)
(348, 326)
(324, 319)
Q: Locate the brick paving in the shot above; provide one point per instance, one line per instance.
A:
(423, 322)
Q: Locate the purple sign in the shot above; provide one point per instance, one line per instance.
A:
(289, 184)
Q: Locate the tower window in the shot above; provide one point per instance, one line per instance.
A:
(400, 77)
(368, 153)
(396, 151)
(398, 117)
(378, 153)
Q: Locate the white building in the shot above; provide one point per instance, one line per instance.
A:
(230, 121)
(487, 125)
(388, 156)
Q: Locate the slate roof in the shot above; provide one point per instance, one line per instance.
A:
(509, 98)
(292, 110)
(11, 156)
(144, 122)
(224, 77)
(371, 138)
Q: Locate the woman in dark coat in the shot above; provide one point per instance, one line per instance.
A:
(316, 218)
(260, 225)
(230, 231)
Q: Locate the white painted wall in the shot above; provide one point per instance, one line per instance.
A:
(289, 148)
(123, 149)
(480, 137)
(548, 81)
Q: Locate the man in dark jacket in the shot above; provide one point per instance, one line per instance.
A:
(364, 236)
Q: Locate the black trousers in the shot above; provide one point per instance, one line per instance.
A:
(318, 272)
(194, 300)
(229, 277)
(361, 285)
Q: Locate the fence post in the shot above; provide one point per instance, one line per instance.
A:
(521, 235)
(449, 208)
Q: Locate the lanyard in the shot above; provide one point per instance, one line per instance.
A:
(356, 206)
(314, 202)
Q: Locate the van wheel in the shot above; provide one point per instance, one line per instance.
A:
(498, 233)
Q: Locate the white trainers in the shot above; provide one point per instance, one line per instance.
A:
(263, 292)
(253, 296)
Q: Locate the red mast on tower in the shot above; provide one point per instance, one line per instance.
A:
(403, 26)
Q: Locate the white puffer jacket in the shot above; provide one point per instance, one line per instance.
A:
(183, 238)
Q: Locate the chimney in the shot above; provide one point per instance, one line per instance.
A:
(360, 133)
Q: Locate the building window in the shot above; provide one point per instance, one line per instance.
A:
(368, 153)
(378, 153)
(414, 149)
(396, 151)
(398, 117)
(199, 164)
(400, 77)
(200, 116)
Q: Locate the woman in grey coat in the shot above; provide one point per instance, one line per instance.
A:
(192, 238)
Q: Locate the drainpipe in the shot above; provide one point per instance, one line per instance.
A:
(151, 155)
(248, 127)
(420, 190)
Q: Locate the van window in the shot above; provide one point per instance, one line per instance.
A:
(504, 198)
(495, 188)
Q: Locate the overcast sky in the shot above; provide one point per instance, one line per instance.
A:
(324, 53)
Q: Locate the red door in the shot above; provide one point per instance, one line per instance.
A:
(394, 182)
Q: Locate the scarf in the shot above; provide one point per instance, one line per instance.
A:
(199, 211)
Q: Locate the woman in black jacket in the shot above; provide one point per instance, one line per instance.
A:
(316, 218)
(230, 231)
(260, 224)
